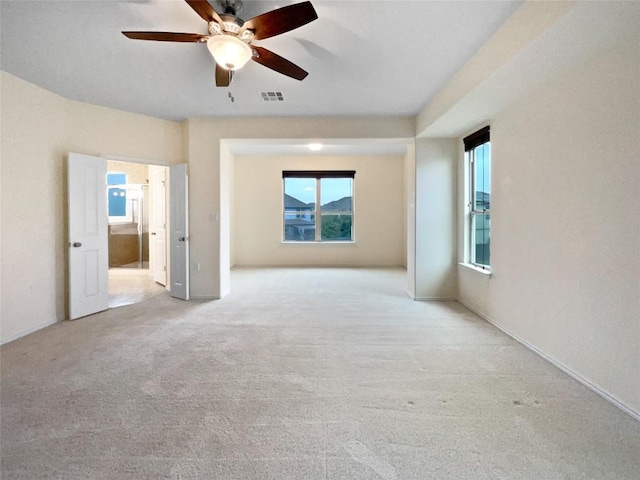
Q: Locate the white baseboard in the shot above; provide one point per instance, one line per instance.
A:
(430, 299)
(32, 330)
(434, 299)
(603, 393)
(317, 265)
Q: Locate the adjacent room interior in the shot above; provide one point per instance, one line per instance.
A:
(136, 207)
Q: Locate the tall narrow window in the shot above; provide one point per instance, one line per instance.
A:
(318, 206)
(477, 148)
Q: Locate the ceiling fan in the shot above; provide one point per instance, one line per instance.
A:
(229, 39)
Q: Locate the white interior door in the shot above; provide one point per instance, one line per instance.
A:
(158, 231)
(179, 231)
(88, 235)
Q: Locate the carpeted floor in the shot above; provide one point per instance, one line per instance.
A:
(300, 374)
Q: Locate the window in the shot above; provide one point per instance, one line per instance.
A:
(318, 206)
(117, 200)
(477, 148)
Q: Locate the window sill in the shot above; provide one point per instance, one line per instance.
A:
(316, 243)
(473, 268)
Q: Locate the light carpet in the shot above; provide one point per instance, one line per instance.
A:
(300, 374)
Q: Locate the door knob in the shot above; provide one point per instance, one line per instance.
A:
(76, 244)
(181, 239)
(153, 233)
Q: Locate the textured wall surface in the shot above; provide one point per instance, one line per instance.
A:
(38, 130)
(378, 212)
(565, 223)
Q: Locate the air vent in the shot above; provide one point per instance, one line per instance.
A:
(272, 96)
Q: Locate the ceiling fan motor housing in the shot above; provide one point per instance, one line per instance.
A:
(230, 7)
(231, 24)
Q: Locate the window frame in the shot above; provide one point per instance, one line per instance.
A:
(319, 175)
(471, 144)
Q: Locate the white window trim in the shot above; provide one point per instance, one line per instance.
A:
(469, 234)
(482, 271)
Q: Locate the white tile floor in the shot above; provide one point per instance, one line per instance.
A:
(129, 286)
(145, 266)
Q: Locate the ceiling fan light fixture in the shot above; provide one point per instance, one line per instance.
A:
(228, 51)
(229, 37)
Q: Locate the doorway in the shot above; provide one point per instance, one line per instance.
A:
(88, 243)
(136, 231)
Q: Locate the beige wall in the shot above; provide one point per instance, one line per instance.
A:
(33, 134)
(435, 219)
(136, 172)
(38, 129)
(410, 217)
(566, 224)
(95, 130)
(378, 212)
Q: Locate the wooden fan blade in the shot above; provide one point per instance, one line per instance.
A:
(223, 76)
(205, 10)
(281, 20)
(166, 36)
(276, 62)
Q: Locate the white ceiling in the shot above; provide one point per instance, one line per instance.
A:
(363, 57)
(333, 147)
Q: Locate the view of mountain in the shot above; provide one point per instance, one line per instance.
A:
(341, 205)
